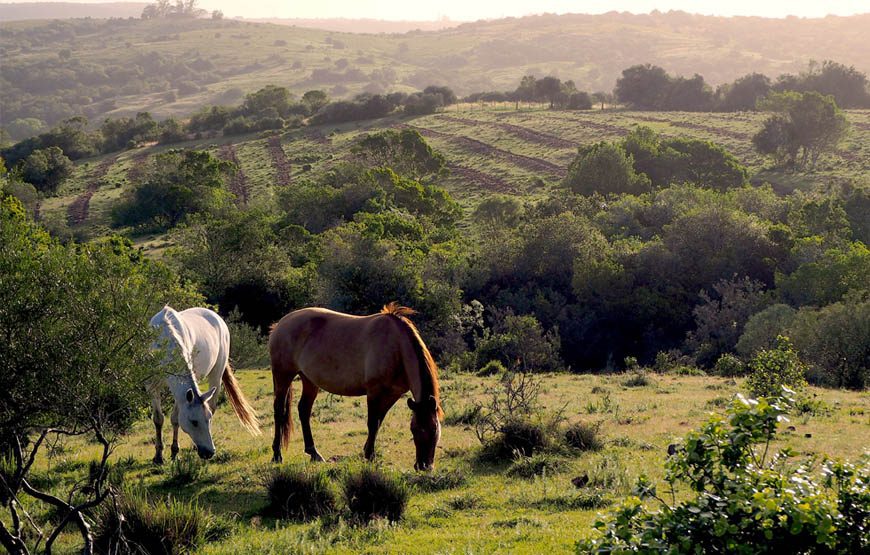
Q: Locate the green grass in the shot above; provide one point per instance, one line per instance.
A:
(467, 506)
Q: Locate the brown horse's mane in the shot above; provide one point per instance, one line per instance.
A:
(423, 354)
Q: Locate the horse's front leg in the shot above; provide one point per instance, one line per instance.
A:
(157, 417)
(306, 402)
(379, 403)
(174, 419)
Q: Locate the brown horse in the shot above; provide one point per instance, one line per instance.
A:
(380, 356)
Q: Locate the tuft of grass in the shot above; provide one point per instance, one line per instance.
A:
(466, 502)
(520, 436)
(131, 523)
(187, 468)
(372, 493)
(584, 501)
(637, 378)
(299, 492)
(538, 464)
(469, 415)
(438, 480)
(584, 436)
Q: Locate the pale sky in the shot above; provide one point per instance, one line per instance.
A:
(469, 10)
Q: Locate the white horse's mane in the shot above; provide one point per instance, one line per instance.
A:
(172, 322)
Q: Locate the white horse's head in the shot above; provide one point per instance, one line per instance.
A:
(194, 417)
(194, 412)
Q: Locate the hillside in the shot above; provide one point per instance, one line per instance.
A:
(53, 70)
(491, 150)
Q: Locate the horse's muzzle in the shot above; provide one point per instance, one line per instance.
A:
(205, 453)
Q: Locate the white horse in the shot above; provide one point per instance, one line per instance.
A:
(195, 343)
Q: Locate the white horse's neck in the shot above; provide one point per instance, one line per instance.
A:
(179, 379)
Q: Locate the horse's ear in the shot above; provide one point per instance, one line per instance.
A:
(208, 395)
(412, 405)
(189, 395)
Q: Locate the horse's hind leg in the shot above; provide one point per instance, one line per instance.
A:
(379, 403)
(174, 419)
(306, 402)
(157, 417)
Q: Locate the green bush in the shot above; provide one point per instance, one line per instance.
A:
(584, 436)
(492, 368)
(135, 524)
(745, 500)
(300, 492)
(729, 366)
(520, 436)
(186, 468)
(773, 369)
(637, 378)
(372, 493)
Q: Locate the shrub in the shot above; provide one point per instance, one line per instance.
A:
(134, 524)
(745, 501)
(300, 492)
(469, 415)
(437, 480)
(521, 436)
(637, 378)
(372, 493)
(729, 366)
(492, 368)
(584, 436)
(773, 369)
(538, 464)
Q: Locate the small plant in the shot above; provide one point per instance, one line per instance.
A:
(437, 480)
(584, 436)
(637, 378)
(465, 502)
(746, 498)
(520, 436)
(492, 368)
(469, 415)
(605, 405)
(131, 523)
(371, 493)
(300, 492)
(538, 464)
(729, 366)
(631, 364)
(186, 468)
(773, 369)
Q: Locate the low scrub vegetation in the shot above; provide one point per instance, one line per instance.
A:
(370, 493)
(300, 492)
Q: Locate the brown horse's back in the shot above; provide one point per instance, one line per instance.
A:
(341, 353)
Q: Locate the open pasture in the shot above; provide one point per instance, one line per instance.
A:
(492, 511)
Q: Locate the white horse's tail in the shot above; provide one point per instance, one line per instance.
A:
(246, 413)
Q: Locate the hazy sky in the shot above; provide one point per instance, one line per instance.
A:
(466, 10)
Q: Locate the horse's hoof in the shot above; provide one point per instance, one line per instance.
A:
(316, 457)
(157, 460)
(277, 459)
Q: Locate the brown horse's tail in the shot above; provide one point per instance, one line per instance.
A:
(283, 415)
(243, 409)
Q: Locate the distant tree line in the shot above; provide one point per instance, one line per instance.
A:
(181, 9)
(649, 87)
(552, 90)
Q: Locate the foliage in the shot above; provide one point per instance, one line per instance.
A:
(828, 278)
(604, 168)
(762, 328)
(649, 87)
(772, 369)
(186, 468)
(174, 184)
(69, 317)
(46, 169)
(492, 368)
(436, 480)
(405, 152)
(806, 126)
(729, 366)
(537, 464)
(742, 500)
(371, 493)
(300, 492)
(519, 343)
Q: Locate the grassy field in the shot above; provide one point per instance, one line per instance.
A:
(489, 149)
(492, 511)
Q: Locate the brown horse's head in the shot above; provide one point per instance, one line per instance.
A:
(426, 428)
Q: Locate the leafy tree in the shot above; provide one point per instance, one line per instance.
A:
(643, 87)
(75, 354)
(741, 498)
(520, 344)
(688, 94)
(122, 133)
(46, 169)
(773, 369)
(744, 93)
(808, 124)
(499, 210)
(175, 183)
(406, 152)
(604, 168)
(847, 85)
(270, 101)
(448, 97)
(315, 100)
(828, 279)
(762, 329)
(579, 101)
